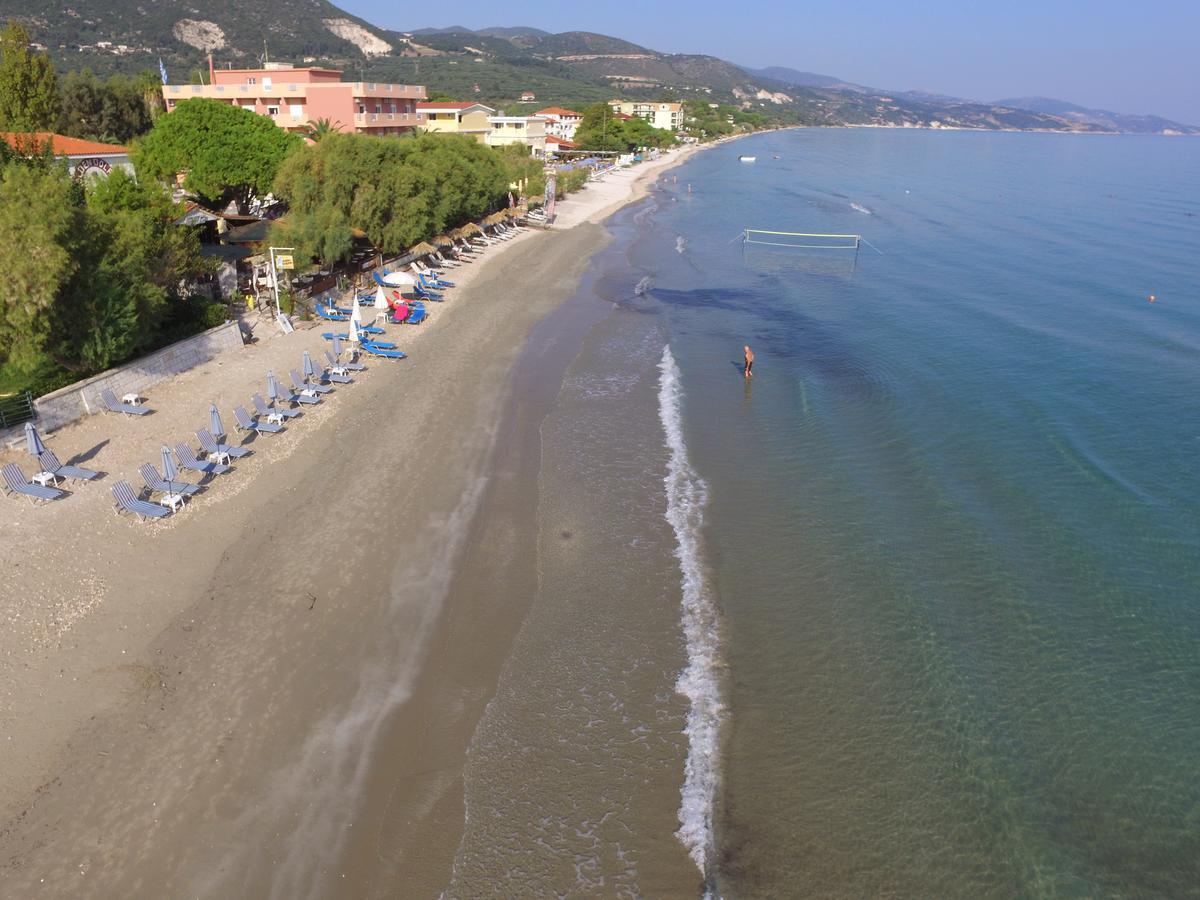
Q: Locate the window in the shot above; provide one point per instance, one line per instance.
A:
(266, 84)
(378, 108)
(251, 81)
(272, 110)
(297, 110)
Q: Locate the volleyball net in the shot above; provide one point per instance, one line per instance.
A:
(801, 240)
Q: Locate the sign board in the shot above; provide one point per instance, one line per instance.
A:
(284, 261)
(93, 165)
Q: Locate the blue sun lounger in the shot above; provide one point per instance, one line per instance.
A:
(330, 315)
(187, 460)
(334, 372)
(16, 483)
(301, 384)
(112, 404)
(129, 502)
(270, 413)
(157, 484)
(217, 451)
(49, 463)
(376, 350)
(243, 422)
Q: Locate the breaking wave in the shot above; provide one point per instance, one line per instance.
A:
(687, 497)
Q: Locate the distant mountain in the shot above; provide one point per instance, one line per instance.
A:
(514, 32)
(111, 34)
(498, 64)
(1102, 117)
(804, 79)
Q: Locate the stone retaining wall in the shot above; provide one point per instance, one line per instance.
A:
(83, 398)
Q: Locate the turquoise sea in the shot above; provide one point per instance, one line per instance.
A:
(914, 612)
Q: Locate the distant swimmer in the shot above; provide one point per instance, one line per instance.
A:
(1151, 298)
(749, 354)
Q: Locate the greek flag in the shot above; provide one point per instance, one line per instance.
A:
(162, 70)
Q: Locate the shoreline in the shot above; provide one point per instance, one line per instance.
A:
(154, 669)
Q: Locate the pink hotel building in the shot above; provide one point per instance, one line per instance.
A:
(293, 97)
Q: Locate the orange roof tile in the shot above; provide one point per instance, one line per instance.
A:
(60, 145)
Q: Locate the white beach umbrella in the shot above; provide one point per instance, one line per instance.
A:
(399, 279)
(381, 302)
(356, 314)
(354, 335)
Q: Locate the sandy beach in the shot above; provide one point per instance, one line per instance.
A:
(195, 707)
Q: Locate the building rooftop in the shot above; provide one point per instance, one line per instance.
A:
(60, 145)
(431, 105)
(558, 111)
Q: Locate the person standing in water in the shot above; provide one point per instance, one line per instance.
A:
(749, 354)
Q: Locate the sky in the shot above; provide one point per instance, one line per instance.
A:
(1132, 57)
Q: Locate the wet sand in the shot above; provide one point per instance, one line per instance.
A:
(196, 708)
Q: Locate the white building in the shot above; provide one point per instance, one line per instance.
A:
(560, 122)
(665, 115)
(527, 130)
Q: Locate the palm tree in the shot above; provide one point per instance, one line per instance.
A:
(319, 128)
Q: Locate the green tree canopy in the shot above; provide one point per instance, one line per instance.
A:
(28, 89)
(601, 129)
(93, 274)
(228, 153)
(396, 191)
(115, 109)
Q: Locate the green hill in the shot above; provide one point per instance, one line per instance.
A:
(497, 64)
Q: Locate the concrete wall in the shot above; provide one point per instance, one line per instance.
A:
(83, 398)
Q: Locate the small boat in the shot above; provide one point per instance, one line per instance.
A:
(747, 158)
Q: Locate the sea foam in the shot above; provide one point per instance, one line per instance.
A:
(687, 496)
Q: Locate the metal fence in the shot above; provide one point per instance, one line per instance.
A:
(16, 409)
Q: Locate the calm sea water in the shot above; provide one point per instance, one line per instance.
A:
(916, 611)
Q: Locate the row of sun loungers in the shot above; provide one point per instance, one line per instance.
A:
(167, 491)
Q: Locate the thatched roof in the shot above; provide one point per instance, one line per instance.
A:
(442, 240)
(471, 228)
(494, 218)
(422, 249)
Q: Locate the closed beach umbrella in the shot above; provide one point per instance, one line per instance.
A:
(170, 472)
(214, 422)
(354, 336)
(310, 370)
(273, 385)
(356, 314)
(381, 300)
(33, 441)
(337, 348)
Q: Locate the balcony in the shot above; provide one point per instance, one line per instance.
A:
(364, 90)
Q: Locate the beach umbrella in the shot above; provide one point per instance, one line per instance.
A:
(422, 249)
(337, 348)
(214, 422)
(273, 385)
(442, 240)
(399, 279)
(310, 371)
(33, 441)
(381, 302)
(354, 336)
(356, 314)
(170, 470)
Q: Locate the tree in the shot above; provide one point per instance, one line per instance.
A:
(600, 130)
(28, 89)
(320, 128)
(93, 274)
(229, 154)
(117, 109)
(397, 192)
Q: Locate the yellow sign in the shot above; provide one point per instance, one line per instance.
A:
(284, 261)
